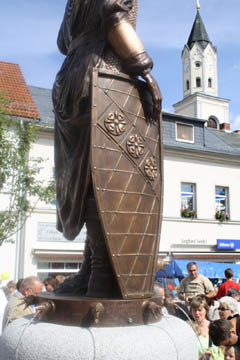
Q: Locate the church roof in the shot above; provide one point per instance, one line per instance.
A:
(198, 33)
(14, 87)
(43, 100)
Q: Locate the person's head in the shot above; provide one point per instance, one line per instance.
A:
(231, 353)
(222, 332)
(234, 293)
(50, 283)
(228, 307)
(19, 285)
(192, 269)
(159, 290)
(199, 308)
(60, 279)
(11, 286)
(228, 273)
(31, 285)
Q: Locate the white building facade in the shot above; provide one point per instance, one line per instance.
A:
(200, 183)
(201, 217)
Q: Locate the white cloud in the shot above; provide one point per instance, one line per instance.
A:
(236, 66)
(235, 122)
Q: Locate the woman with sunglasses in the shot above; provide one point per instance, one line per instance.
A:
(228, 307)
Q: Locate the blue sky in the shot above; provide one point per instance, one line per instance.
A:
(28, 31)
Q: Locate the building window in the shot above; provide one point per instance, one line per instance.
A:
(187, 85)
(222, 203)
(212, 123)
(198, 82)
(184, 132)
(209, 82)
(197, 64)
(52, 269)
(188, 200)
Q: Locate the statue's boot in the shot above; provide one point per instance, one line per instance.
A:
(78, 284)
(102, 282)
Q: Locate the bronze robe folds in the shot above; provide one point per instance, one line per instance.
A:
(82, 39)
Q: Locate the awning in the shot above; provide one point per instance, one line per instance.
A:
(58, 254)
(178, 268)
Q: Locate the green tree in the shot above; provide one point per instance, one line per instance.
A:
(20, 185)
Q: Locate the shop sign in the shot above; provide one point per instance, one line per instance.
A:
(48, 232)
(226, 244)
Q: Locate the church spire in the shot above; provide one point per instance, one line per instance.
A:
(200, 77)
(198, 32)
(198, 5)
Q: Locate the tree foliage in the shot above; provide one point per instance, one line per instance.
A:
(20, 185)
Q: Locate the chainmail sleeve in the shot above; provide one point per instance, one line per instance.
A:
(110, 61)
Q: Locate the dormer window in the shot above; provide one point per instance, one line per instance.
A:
(184, 132)
(213, 122)
(198, 82)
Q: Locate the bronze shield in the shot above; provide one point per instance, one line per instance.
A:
(126, 156)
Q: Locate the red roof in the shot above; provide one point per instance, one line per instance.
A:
(12, 83)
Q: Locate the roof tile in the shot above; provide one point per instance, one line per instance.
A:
(12, 83)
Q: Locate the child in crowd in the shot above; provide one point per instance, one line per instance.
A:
(231, 353)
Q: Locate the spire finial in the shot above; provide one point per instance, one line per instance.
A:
(198, 5)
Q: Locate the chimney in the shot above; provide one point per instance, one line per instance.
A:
(225, 126)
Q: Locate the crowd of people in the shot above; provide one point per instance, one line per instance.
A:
(214, 314)
(12, 305)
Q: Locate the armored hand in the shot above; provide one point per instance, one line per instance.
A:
(156, 96)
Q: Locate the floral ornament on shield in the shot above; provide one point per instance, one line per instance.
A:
(135, 146)
(151, 168)
(115, 123)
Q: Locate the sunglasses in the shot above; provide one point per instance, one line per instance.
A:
(223, 309)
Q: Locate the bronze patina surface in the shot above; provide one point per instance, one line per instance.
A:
(108, 164)
(126, 159)
(84, 311)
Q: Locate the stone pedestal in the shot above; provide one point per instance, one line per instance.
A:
(168, 339)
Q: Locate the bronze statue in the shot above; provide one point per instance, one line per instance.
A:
(108, 149)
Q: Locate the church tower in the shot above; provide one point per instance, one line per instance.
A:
(200, 78)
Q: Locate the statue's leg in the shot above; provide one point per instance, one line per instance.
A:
(102, 282)
(78, 284)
